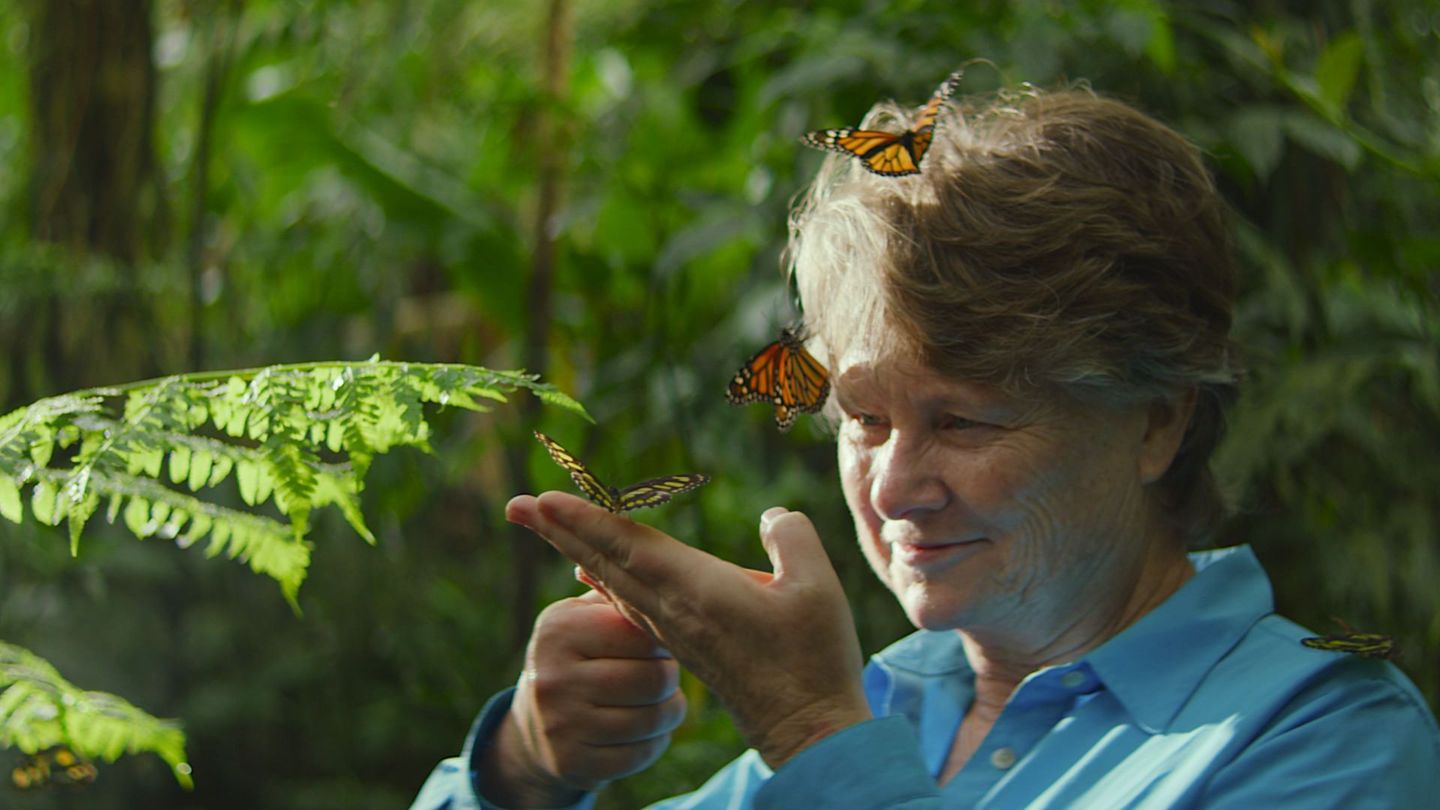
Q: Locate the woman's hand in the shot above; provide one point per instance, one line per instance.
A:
(597, 701)
(778, 649)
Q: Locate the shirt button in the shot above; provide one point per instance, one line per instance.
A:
(1073, 679)
(1002, 758)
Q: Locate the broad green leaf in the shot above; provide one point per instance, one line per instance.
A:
(1258, 134)
(1324, 139)
(1336, 71)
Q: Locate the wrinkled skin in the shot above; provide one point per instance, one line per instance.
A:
(779, 650)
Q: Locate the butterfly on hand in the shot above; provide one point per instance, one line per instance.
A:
(887, 153)
(785, 375)
(53, 766)
(1366, 645)
(636, 496)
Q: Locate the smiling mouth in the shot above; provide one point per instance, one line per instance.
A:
(921, 554)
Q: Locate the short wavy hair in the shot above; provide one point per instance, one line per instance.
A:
(1054, 241)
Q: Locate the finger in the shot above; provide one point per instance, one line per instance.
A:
(632, 559)
(595, 628)
(605, 726)
(595, 585)
(627, 682)
(601, 764)
(794, 547)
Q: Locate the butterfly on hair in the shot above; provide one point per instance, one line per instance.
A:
(645, 494)
(889, 154)
(783, 374)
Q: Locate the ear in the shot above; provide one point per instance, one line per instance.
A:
(1167, 419)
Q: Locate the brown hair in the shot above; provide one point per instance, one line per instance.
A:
(1052, 241)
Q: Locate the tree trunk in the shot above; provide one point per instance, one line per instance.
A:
(550, 142)
(93, 190)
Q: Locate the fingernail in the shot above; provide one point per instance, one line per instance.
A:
(770, 515)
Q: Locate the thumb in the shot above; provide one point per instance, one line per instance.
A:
(793, 546)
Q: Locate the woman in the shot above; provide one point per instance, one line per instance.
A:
(1030, 359)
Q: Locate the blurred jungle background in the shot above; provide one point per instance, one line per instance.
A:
(597, 190)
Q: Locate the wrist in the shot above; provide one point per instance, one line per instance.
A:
(805, 728)
(510, 777)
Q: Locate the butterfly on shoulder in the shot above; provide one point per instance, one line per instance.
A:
(784, 375)
(889, 154)
(617, 499)
(1366, 645)
(52, 767)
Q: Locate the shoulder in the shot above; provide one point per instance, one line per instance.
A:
(1326, 729)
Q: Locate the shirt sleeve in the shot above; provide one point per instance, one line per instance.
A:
(875, 764)
(1370, 743)
(455, 783)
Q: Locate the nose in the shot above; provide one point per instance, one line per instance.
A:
(905, 478)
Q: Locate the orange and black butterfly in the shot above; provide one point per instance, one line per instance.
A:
(636, 496)
(785, 375)
(1367, 645)
(53, 766)
(887, 153)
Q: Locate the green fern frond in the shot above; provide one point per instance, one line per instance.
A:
(40, 709)
(296, 437)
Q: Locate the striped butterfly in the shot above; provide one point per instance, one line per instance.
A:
(1367, 645)
(636, 496)
(784, 375)
(887, 153)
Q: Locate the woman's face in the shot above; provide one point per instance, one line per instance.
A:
(985, 512)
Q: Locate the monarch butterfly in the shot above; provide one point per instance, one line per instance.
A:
(886, 153)
(1367, 645)
(636, 496)
(53, 766)
(785, 375)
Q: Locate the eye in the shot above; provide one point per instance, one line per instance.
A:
(952, 422)
(868, 419)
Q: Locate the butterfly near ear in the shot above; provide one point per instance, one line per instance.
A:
(52, 767)
(1366, 645)
(889, 154)
(617, 499)
(784, 375)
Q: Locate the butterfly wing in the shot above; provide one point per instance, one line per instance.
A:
(930, 113)
(593, 488)
(898, 159)
(785, 375)
(886, 153)
(806, 382)
(1367, 645)
(658, 490)
(758, 380)
(854, 142)
(922, 133)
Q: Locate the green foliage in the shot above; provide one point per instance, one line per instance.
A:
(298, 436)
(40, 709)
(373, 185)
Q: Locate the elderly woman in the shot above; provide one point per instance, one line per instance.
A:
(1030, 359)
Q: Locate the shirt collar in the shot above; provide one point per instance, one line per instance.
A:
(1155, 665)
(1151, 667)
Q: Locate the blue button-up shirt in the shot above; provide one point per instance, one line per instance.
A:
(1208, 701)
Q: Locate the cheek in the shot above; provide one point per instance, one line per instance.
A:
(855, 481)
